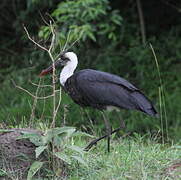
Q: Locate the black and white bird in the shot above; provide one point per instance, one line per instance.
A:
(97, 89)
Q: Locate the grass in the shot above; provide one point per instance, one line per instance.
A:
(131, 158)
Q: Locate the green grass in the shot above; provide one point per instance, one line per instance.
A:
(131, 158)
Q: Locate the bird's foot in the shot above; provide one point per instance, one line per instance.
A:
(94, 142)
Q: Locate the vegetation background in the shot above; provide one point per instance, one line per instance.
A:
(114, 36)
(111, 40)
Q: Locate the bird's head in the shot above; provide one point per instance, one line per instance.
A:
(65, 59)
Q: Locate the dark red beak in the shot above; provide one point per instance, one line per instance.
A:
(50, 68)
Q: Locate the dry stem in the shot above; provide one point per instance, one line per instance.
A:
(40, 46)
(142, 23)
(32, 95)
(56, 104)
(49, 50)
(42, 86)
(34, 104)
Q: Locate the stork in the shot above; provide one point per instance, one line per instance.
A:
(99, 90)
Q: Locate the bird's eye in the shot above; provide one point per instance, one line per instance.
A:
(64, 58)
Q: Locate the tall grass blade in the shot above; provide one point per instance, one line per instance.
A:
(162, 105)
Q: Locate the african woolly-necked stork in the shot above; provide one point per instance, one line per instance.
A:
(97, 89)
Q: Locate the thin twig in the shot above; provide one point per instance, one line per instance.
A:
(57, 108)
(40, 46)
(172, 6)
(142, 23)
(34, 104)
(43, 19)
(67, 39)
(53, 38)
(53, 75)
(74, 42)
(59, 101)
(50, 18)
(42, 86)
(32, 95)
(49, 50)
(65, 108)
(66, 49)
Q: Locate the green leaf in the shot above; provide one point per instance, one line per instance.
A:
(39, 150)
(40, 34)
(33, 169)
(91, 36)
(116, 21)
(56, 134)
(63, 157)
(5, 130)
(36, 139)
(77, 149)
(2, 172)
(80, 160)
(79, 134)
(57, 131)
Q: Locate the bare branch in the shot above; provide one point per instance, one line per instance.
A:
(57, 108)
(43, 19)
(53, 75)
(66, 49)
(172, 6)
(42, 86)
(50, 18)
(40, 46)
(32, 95)
(53, 38)
(74, 42)
(54, 91)
(59, 101)
(142, 23)
(67, 39)
(34, 104)
(50, 51)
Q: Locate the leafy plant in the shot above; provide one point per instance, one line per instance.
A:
(85, 20)
(58, 144)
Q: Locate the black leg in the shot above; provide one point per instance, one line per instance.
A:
(94, 142)
(108, 139)
(108, 130)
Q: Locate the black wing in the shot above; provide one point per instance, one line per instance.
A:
(93, 75)
(104, 89)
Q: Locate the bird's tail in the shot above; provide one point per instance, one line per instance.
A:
(144, 104)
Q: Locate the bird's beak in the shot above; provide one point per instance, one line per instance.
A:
(50, 68)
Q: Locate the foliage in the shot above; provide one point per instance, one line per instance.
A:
(33, 169)
(124, 56)
(56, 144)
(85, 20)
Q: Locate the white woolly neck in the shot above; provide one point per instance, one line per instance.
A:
(69, 68)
